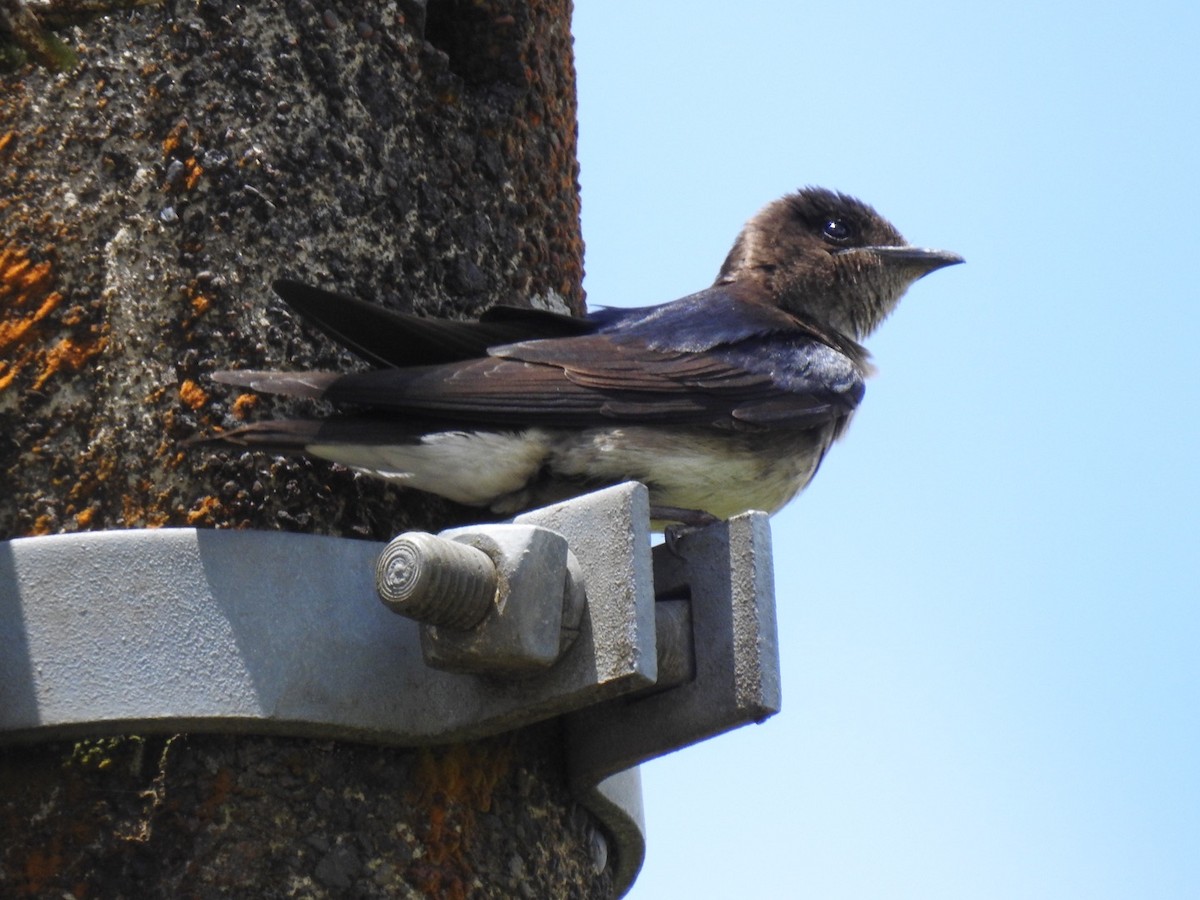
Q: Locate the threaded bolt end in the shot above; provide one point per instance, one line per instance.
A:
(436, 581)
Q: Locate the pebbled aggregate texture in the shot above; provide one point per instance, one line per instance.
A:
(157, 170)
(150, 193)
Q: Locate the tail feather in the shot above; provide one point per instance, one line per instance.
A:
(311, 385)
(297, 435)
(281, 435)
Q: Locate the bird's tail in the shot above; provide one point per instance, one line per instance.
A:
(311, 385)
(295, 435)
(278, 436)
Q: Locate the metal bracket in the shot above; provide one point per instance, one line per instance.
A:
(725, 573)
(266, 632)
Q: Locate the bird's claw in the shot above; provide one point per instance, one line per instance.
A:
(683, 521)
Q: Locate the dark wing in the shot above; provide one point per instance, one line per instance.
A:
(710, 359)
(604, 381)
(389, 338)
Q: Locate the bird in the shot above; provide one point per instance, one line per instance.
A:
(723, 401)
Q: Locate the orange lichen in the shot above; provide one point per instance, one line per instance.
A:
(73, 316)
(27, 302)
(27, 299)
(188, 176)
(203, 513)
(192, 394)
(244, 404)
(21, 276)
(174, 136)
(194, 171)
(455, 783)
(69, 354)
(198, 303)
(147, 509)
(222, 787)
(15, 331)
(41, 867)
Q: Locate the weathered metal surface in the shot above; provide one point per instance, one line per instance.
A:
(199, 630)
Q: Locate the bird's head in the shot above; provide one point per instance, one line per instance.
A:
(829, 258)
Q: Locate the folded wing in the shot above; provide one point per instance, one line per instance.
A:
(766, 382)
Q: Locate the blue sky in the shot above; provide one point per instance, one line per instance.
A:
(989, 599)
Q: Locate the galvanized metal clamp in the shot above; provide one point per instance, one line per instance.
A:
(562, 612)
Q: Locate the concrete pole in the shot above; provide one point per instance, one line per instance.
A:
(159, 166)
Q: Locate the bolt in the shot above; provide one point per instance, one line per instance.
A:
(436, 581)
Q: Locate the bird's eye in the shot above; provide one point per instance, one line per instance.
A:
(837, 230)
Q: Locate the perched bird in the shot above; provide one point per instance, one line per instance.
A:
(722, 401)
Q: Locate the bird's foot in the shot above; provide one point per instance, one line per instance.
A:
(692, 518)
(683, 522)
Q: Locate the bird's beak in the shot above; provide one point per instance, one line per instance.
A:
(922, 259)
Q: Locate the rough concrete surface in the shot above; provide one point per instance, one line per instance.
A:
(196, 816)
(160, 164)
(150, 193)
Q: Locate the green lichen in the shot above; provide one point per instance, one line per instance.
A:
(24, 38)
(25, 34)
(99, 754)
